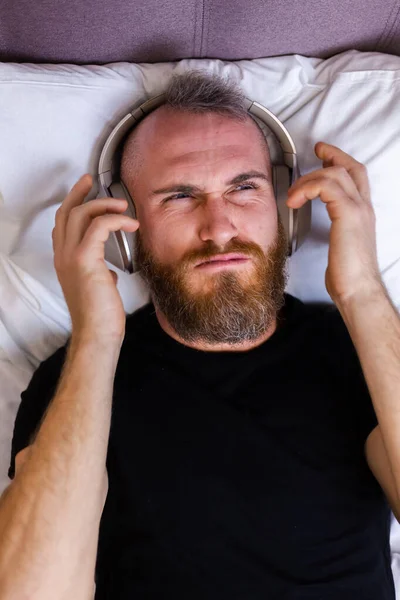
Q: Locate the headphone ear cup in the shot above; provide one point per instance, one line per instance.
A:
(120, 247)
(131, 210)
(281, 183)
(118, 190)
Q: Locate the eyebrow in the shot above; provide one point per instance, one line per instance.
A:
(187, 188)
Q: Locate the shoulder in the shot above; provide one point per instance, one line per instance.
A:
(314, 321)
(324, 319)
(51, 367)
(321, 328)
(141, 329)
(140, 322)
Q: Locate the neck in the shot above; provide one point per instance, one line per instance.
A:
(208, 347)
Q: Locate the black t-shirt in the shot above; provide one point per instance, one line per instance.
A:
(236, 475)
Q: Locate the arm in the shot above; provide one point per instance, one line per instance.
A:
(353, 281)
(374, 326)
(50, 514)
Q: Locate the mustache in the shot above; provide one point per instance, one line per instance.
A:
(211, 249)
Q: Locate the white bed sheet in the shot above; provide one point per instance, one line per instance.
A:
(54, 120)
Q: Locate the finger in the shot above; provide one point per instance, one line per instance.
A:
(330, 192)
(54, 240)
(114, 276)
(358, 172)
(81, 216)
(75, 197)
(91, 249)
(337, 174)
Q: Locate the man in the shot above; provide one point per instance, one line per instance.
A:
(220, 442)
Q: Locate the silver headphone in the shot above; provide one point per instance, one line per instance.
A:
(120, 246)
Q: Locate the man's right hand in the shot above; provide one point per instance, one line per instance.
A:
(89, 287)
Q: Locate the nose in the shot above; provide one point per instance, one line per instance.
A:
(216, 222)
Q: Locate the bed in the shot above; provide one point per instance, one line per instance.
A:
(70, 71)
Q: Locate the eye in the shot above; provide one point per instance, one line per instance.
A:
(174, 197)
(249, 185)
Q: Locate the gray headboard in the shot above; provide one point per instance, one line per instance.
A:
(103, 31)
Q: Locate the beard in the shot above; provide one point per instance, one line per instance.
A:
(234, 306)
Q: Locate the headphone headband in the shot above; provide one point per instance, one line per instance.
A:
(136, 115)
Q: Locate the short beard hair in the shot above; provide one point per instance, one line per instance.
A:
(237, 309)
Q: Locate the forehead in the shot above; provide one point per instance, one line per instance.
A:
(174, 136)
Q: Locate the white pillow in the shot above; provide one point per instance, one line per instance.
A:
(55, 119)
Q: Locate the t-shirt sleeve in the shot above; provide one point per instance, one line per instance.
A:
(359, 406)
(34, 402)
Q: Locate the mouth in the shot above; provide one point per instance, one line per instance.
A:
(223, 260)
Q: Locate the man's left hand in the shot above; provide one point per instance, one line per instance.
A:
(343, 185)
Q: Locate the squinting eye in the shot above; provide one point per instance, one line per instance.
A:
(249, 185)
(174, 197)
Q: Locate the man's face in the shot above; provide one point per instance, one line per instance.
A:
(223, 301)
